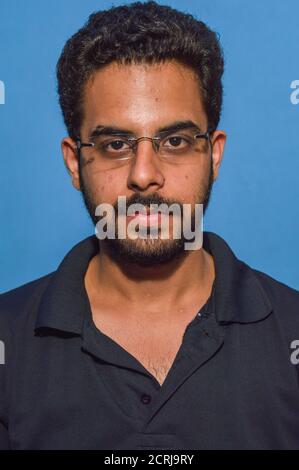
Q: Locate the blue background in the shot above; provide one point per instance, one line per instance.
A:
(254, 201)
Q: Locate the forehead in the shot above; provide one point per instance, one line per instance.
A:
(142, 95)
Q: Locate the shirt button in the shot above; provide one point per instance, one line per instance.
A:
(146, 399)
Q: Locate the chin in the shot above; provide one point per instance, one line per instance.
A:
(150, 252)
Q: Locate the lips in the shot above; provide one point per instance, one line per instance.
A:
(146, 219)
(152, 216)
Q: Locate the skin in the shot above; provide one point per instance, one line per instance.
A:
(143, 98)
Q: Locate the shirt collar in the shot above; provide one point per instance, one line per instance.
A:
(238, 295)
(65, 299)
(238, 292)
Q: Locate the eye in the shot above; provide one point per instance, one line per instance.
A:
(116, 145)
(112, 145)
(176, 142)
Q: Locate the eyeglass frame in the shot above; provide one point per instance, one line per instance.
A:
(136, 140)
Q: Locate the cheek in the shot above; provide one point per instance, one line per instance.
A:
(187, 185)
(105, 186)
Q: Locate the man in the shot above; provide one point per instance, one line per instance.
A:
(139, 343)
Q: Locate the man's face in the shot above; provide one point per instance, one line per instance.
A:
(144, 98)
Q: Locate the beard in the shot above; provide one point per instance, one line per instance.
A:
(146, 252)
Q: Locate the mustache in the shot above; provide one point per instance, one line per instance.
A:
(154, 198)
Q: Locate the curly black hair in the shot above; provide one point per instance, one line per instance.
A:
(139, 33)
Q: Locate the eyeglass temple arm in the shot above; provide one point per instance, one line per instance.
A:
(80, 144)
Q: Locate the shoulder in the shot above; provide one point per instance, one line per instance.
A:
(18, 310)
(278, 291)
(284, 300)
(17, 304)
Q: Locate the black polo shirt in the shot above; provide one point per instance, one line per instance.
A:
(66, 385)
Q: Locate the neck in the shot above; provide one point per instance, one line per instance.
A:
(161, 289)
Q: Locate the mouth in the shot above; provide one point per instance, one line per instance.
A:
(152, 216)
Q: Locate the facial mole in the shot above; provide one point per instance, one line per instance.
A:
(87, 161)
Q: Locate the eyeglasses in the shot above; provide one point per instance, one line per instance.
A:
(181, 147)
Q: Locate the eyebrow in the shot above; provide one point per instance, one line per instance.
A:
(173, 127)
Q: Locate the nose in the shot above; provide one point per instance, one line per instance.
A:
(145, 171)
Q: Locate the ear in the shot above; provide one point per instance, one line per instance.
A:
(71, 160)
(218, 142)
